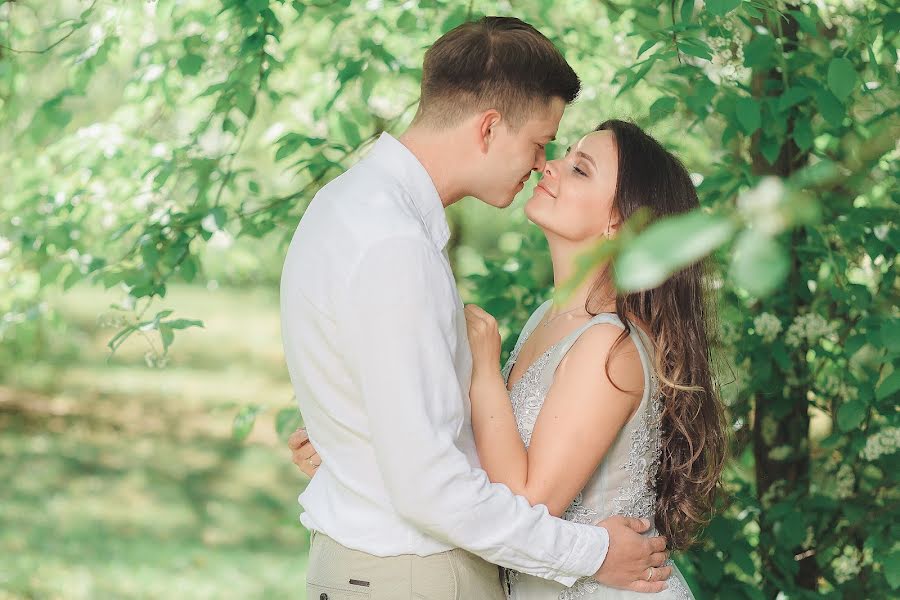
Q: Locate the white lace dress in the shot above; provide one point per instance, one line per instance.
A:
(623, 484)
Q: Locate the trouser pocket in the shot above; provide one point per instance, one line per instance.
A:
(315, 591)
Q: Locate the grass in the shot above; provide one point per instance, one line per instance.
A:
(122, 481)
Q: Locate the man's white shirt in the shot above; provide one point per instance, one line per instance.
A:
(375, 341)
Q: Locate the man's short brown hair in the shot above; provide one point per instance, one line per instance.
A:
(497, 62)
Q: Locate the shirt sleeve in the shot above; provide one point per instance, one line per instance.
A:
(403, 357)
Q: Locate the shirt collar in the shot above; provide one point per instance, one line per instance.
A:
(398, 161)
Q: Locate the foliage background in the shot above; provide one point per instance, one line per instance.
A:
(157, 156)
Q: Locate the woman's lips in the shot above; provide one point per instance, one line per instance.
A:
(543, 188)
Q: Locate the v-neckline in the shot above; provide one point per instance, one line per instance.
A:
(515, 353)
(509, 388)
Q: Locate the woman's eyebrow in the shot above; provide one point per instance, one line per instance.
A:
(586, 157)
(583, 155)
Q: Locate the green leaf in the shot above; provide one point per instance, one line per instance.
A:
(634, 77)
(190, 64)
(770, 148)
(803, 133)
(245, 101)
(220, 216)
(793, 96)
(891, 567)
(722, 7)
(646, 46)
(667, 246)
(791, 531)
(188, 269)
(50, 272)
(830, 107)
(499, 306)
(694, 47)
(890, 385)
(119, 339)
(758, 264)
(891, 25)
(351, 70)
(742, 558)
(851, 415)
(711, 567)
(749, 114)
(244, 421)
(704, 92)
(183, 323)
(687, 11)
(287, 420)
(662, 108)
(71, 279)
(167, 336)
(760, 51)
(456, 18)
(149, 254)
(890, 335)
(807, 24)
(841, 78)
(407, 22)
(350, 130)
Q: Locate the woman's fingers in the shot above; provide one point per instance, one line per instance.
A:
(303, 454)
(298, 438)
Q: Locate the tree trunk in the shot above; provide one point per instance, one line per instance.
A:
(781, 420)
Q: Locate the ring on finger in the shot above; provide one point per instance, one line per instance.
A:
(649, 573)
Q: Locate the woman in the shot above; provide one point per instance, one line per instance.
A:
(606, 405)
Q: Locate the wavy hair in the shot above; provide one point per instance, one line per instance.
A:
(680, 316)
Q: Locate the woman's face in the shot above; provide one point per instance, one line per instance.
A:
(574, 199)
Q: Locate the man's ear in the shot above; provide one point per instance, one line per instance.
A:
(488, 122)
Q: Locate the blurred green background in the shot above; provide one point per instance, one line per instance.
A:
(157, 155)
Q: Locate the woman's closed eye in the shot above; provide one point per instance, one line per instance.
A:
(578, 170)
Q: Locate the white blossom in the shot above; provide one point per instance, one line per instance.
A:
(845, 481)
(761, 205)
(882, 443)
(209, 223)
(808, 328)
(767, 326)
(847, 565)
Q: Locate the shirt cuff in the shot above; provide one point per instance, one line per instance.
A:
(586, 557)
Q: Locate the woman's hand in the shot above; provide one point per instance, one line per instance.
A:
(484, 340)
(303, 453)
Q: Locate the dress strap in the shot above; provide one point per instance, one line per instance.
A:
(640, 339)
(533, 321)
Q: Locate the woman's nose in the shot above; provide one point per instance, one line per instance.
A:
(550, 168)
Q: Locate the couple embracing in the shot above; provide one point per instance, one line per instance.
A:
(596, 451)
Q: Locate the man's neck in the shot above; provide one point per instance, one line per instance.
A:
(434, 149)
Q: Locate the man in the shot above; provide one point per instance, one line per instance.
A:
(375, 341)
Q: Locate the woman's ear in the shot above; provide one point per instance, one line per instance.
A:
(613, 227)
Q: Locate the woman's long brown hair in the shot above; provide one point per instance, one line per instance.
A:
(679, 316)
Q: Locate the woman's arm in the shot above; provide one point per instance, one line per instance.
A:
(580, 419)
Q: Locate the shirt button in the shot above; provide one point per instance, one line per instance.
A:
(323, 597)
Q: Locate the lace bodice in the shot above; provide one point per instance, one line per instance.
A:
(624, 483)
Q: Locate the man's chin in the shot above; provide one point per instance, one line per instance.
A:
(500, 201)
